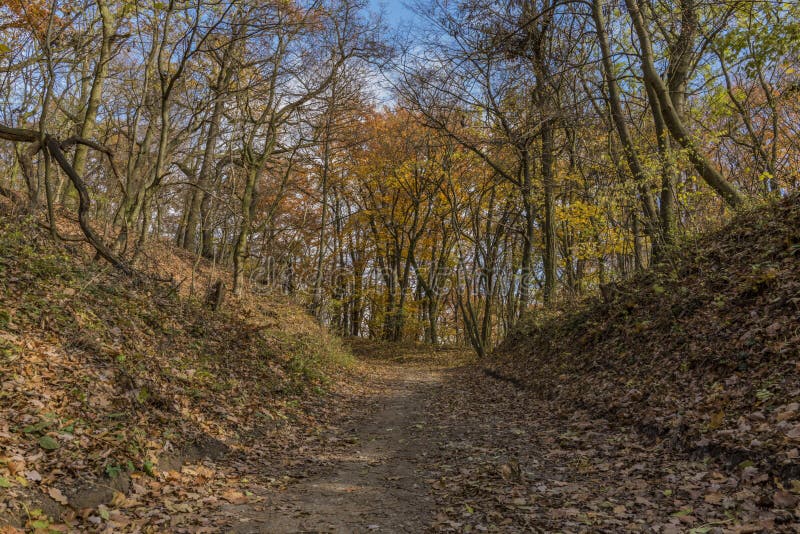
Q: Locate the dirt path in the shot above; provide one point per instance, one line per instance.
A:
(374, 486)
(452, 450)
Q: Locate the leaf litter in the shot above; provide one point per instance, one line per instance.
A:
(147, 414)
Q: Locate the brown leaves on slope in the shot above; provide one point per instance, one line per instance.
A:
(702, 353)
(505, 460)
(140, 409)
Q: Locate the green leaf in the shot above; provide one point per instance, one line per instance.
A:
(48, 443)
(4, 482)
(113, 471)
(763, 394)
(149, 468)
(38, 427)
(658, 290)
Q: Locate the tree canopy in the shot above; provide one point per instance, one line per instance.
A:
(435, 185)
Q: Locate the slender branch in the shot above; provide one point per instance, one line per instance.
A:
(54, 147)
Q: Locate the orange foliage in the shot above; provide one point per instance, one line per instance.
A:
(31, 15)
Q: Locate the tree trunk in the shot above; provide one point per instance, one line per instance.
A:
(549, 212)
(668, 177)
(199, 209)
(704, 168)
(614, 103)
(526, 265)
(240, 248)
(96, 92)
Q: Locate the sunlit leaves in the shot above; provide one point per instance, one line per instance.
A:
(31, 15)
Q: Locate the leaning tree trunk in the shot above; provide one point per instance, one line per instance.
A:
(702, 165)
(628, 147)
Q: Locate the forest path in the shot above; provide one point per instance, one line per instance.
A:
(441, 448)
(373, 486)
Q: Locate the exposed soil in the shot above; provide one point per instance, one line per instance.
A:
(453, 450)
(375, 485)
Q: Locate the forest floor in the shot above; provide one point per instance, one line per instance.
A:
(431, 443)
(671, 406)
(450, 449)
(377, 483)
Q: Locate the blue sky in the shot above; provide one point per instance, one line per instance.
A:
(396, 12)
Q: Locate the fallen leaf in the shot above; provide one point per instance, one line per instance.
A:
(48, 443)
(103, 511)
(234, 497)
(716, 420)
(15, 466)
(57, 496)
(794, 433)
(784, 499)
